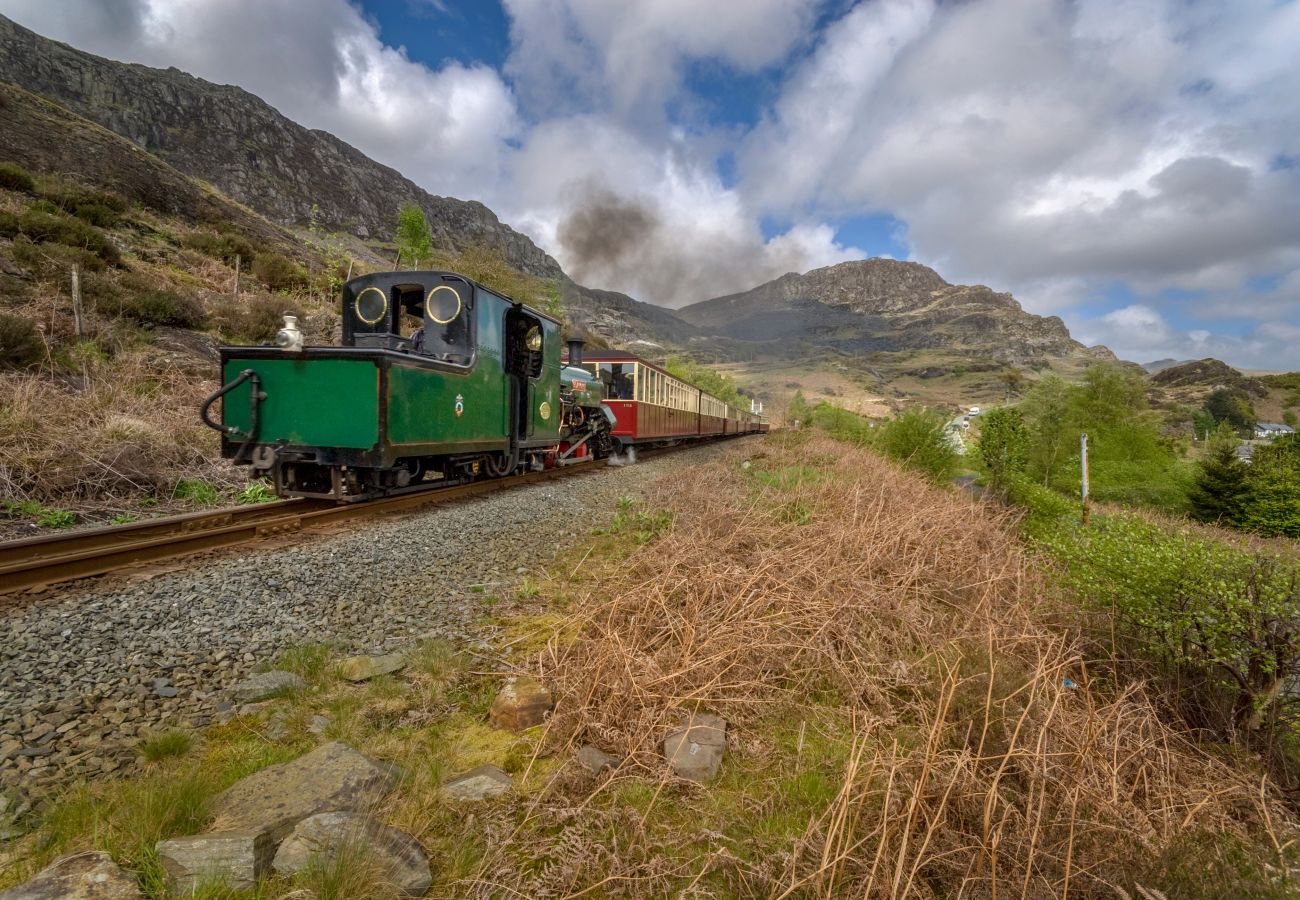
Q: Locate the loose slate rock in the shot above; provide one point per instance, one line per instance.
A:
(695, 752)
(398, 858)
(266, 684)
(83, 876)
(595, 760)
(522, 703)
(478, 784)
(331, 777)
(363, 668)
(13, 807)
(239, 858)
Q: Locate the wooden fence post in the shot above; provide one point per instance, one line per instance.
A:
(1083, 467)
(76, 303)
(239, 260)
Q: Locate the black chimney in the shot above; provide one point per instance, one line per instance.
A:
(575, 351)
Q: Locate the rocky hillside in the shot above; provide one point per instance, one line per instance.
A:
(1207, 374)
(249, 151)
(883, 305)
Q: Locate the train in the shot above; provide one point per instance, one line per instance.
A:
(440, 378)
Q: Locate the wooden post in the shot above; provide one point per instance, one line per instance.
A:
(76, 303)
(349, 276)
(397, 263)
(1083, 467)
(239, 262)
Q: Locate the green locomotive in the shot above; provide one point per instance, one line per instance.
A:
(438, 378)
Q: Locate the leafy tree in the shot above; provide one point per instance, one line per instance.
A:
(1003, 444)
(1228, 405)
(798, 410)
(1289, 417)
(414, 238)
(706, 379)
(1274, 479)
(1222, 490)
(918, 439)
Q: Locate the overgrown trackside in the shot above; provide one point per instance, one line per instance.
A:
(904, 722)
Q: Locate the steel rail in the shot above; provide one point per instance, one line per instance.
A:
(48, 560)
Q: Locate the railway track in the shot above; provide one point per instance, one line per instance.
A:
(48, 560)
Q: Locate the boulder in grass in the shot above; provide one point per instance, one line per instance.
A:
(396, 858)
(521, 703)
(83, 876)
(478, 784)
(236, 859)
(266, 684)
(695, 752)
(595, 760)
(363, 668)
(332, 777)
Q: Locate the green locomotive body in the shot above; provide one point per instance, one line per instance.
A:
(438, 377)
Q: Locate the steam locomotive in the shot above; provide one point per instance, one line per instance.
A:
(441, 379)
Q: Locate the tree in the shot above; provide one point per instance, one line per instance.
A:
(1228, 405)
(707, 380)
(1289, 417)
(919, 440)
(1003, 444)
(1274, 479)
(414, 239)
(798, 411)
(1222, 489)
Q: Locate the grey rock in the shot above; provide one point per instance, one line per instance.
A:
(695, 752)
(14, 806)
(478, 784)
(363, 668)
(398, 858)
(331, 778)
(266, 684)
(595, 760)
(237, 859)
(83, 876)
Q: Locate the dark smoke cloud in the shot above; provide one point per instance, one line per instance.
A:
(629, 244)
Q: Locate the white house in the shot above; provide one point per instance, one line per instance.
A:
(1271, 430)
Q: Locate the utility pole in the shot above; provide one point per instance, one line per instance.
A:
(1083, 467)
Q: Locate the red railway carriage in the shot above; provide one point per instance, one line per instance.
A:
(653, 407)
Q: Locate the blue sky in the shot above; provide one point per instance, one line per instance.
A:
(1128, 165)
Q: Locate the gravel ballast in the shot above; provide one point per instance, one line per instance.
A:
(86, 671)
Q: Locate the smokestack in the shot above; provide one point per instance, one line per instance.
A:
(575, 351)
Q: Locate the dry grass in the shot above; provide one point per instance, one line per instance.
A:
(974, 755)
(116, 431)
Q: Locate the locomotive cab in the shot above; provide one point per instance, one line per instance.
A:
(438, 378)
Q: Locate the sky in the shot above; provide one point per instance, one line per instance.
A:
(1132, 166)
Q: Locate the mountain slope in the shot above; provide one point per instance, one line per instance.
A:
(248, 150)
(883, 305)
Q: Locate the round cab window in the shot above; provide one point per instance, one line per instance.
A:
(371, 306)
(443, 304)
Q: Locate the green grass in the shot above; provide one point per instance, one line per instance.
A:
(257, 492)
(44, 516)
(166, 745)
(195, 491)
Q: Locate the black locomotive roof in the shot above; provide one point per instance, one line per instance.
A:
(421, 276)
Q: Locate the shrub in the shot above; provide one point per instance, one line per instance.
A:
(14, 177)
(97, 214)
(162, 307)
(57, 228)
(841, 424)
(68, 197)
(1004, 444)
(919, 440)
(20, 343)
(1223, 619)
(278, 272)
(253, 317)
(225, 247)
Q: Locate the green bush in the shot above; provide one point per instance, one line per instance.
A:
(97, 214)
(1003, 445)
(253, 317)
(841, 424)
(14, 177)
(57, 228)
(1223, 620)
(1273, 505)
(278, 272)
(918, 439)
(161, 307)
(225, 247)
(68, 196)
(20, 343)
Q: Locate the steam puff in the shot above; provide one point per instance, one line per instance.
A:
(673, 258)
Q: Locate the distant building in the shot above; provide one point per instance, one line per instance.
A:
(1270, 430)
